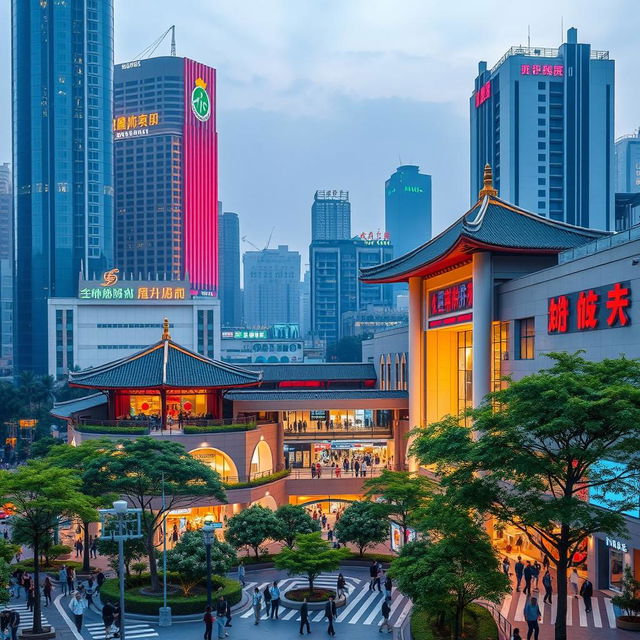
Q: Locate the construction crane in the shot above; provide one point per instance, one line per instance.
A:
(245, 239)
(149, 51)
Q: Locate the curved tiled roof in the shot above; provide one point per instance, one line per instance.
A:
(164, 364)
(491, 222)
(278, 372)
(278, 395)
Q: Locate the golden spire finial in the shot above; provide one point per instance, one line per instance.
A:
(165, 330)
(487, 189)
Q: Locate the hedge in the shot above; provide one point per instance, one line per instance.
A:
(222, 428)
(135, 602)
(478, 625)
(114, 430)
(258, 481)
(56, 565)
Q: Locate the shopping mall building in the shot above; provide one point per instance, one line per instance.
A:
(494, 293)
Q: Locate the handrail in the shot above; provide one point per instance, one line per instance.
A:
(330, 473)
(354, 433)
(505, 628)
(151, 421)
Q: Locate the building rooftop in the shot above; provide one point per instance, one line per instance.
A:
(542, 52)
(303, 371)
(278, 395)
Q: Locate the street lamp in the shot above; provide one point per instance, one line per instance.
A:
(207, 534)
(120, 507)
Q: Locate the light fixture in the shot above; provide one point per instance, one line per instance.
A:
(120, 507)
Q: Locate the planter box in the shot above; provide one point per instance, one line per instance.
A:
(313, 606)
(628, 623)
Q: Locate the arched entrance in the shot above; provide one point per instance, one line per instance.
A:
(312, 502)
(262, 459)
(266, 501)
(218, 460)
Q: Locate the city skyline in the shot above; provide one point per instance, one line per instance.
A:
(361, 107)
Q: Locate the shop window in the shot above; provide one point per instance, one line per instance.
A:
(465, 370)
(218, 461)
(525, 339)
(261, 460)
(500, 354)
(382, 374)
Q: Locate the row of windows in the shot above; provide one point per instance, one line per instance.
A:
(122, 346)
(131, 325)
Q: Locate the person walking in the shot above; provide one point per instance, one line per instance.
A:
(574, 580)
(31, 597)
(330, 614)
(536, 575)
(62, 579)
(386, 611)
(275, 600)
(267, 599)
(388, 587)
(586, 591)
(47, 588)
(528, 576)
(227, 615)
(79, 547)
(208, 622)
(256, 603)
(340, 586)
(78, 606)
(4, 624)
(89, 592)
(516, 634)
(93, 549)
(304, 617)
(373, 574)
(26, 584)
(519, 569)
(506, 566)
(100, 578)
(108, 617)
(71, 578)
(221, 612)
(14, 623)
(241, 572)
(548, 586)
(532, 615)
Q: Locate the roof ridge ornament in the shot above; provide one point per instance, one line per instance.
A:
(165, 330)
(488, 188)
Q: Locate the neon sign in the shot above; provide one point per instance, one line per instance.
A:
(450, 320)
(377, 238)
(132, 293)
(591, 309)
(541, 70)
(483, 93)
(413, 189)
(126, 123)
(109, 278)
(456, 297)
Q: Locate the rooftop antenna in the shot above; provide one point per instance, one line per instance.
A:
(150, 50)
(173, 40)
(561, 29)
(528, 36)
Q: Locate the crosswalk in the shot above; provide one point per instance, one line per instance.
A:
(26, 616)
(363, 606)
(131, 631)
(601, 616)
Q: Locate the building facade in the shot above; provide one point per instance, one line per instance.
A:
(330, 215)
(407, 208)
(281, 343)
(62, 69)
(544, 120)
(271, 287)
(229, 264)
(6, 271)
(627, 153)
(166, 175)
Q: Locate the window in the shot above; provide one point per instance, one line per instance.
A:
(540, 85)
(382, 374)
(465, 370)
(541, 122)
(526, 338)
(541, 204)
(542, 181)
(542, 157)
(541, 193)
(542, 145)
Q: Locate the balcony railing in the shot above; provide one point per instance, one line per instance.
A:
(343, 433)
(152, 426)
(336, 473)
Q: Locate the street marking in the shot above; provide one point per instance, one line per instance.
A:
(569, 611)
(352, 604)
(597, 621)
(377, 612)
(404, 614)
(554, 610)
(610, 613)
(582, 612)
(363, 608)
(248, 585)
(519, 613)
(396, 603)
(506, 606)
(318, 616)
(289, 614)
(66, 618)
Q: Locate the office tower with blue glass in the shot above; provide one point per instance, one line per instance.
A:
(6, 270)
(407, 208)
(544, 120)
(628, 163)
(229, 268)
(62, 77)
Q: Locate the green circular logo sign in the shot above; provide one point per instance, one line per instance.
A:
(200, 103)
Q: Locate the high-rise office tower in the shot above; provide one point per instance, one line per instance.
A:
(330, 215)
(407, 208)
(62, 73)
(271, 287)
(628, 163)
(229, 260)
(305, 304)
(6, 271)
(335, 286)
(543, 119)
(166, 177)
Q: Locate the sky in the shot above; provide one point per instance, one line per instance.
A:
(334, 94)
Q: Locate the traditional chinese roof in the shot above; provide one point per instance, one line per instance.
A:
(69, 407)
(324, 371)
(491, 224)
(164, 365)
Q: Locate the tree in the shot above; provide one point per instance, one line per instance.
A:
(39, 495)
(42, 447)
(400, 495)
(188, 559)
(362, 525)
(251, 527)
(292, 520)
(310, 555)
(134, 549)
(628, 601)
(543, 445)
(5, 572)
(137, 470)
(8, 550)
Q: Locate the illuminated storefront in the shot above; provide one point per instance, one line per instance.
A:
(218, 461)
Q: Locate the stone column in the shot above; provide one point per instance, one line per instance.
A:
(482, 318)
(416, 365)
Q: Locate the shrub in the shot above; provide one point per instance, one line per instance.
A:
(114, 430)
(222, 428)
(628, 600)
(258, 481)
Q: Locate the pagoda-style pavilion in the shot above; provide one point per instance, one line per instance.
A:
(165, 383)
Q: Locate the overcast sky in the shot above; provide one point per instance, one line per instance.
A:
(319, 94)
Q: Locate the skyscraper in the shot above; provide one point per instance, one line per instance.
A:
(6, 271)
(543, 119)
(271, 287)
(330, 215)
(229, 259)
(407, 208)
(628, 163)
(62, 68)
(166, 177)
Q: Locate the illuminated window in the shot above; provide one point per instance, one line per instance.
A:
(382, 374)
(218, 461)
(465, 370)
(526, 338)
(500, 353)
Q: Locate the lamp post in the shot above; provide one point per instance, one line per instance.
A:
(121, 507)
(207, 534)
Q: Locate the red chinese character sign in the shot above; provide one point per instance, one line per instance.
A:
(597, 308)
(451, 299)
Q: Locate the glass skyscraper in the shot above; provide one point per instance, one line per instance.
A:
(330, 215)
(62, 66)
(229, 267)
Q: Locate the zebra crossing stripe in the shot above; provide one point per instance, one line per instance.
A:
(554, 610)
(373, 615)
(364, 607)
(352, 604)
(404, 614)
(289, 614)
(318, 616)
(570, 611)
(519, 615)
(395, 604)
(506, 606)
(611, 615)
(597, 621)
(582, 613)
(249, 585)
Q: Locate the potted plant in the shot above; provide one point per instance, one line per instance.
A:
(629, 602)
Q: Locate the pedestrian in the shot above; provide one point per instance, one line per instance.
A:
(574, 579)
(93, 549)
(89, 590)
(241, 572)
(519, 569)
(100, 578)
(313, 472)
(536, 574)
(227, 615)
(388, 587)
(330, 614)
(117, 619)
(77, 606)
(373, 574)
(386, 611)
(267, 599)
(79, 547)
(304, 617)
(31, 597)
(275, 600)
(256, 603)
(506, 566)
(221, 612)
(532, 615)
(26, 584)
(546, 562)
(586, 591)
(208, 622)
(528, 576)
(47, 588)
(340, 586)
(14, 623)
(62, 579)
(548, 586)
(4, 624)
(108, 611)
(330, 534)
(71, 577)
(516, 634)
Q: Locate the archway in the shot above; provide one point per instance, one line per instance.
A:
(262, 459)
(218, 460)
(312, 502)
(266, 501)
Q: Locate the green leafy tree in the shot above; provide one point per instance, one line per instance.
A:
(251, 528)
(542, 445)
(42, 447)
(310, 555)
(5, 572)
(8, 550)
(628, 601)
(137, 470)
(134, 549)
(188, 559)
(399, 495)
(362, 525)
(292, 520)
(39, 494)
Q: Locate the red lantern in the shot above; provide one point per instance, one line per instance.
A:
(187, 406)
(144, 406)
